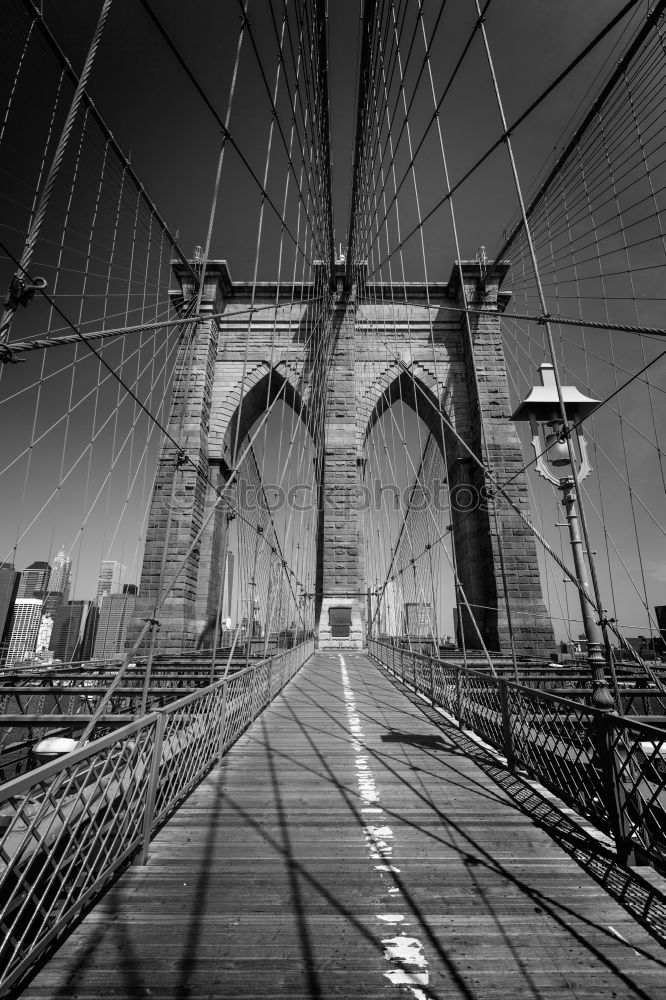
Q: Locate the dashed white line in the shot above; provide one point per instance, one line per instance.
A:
(402, 951)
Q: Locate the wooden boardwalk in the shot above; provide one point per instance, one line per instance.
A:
(349, 848)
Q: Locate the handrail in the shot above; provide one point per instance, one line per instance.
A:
(69, 825)
(611, 768)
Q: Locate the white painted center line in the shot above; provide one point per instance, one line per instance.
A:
(406, 954)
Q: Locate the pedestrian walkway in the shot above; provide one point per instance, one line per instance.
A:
(349, 848)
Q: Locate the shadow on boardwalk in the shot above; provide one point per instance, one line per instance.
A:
(631, 888)
(354, 843)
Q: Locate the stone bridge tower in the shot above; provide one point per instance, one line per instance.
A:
(431, 370)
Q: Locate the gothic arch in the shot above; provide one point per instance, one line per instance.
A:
(416, 386)
(248, 399)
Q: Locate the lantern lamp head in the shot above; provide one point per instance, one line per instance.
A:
(541, 409)
(543, 401)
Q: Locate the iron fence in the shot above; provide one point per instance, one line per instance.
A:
(68, 826)
(610, 768)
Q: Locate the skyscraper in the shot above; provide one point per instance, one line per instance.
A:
(25, 626)
(89, 634)
(9, 581)
(34, 580)
(44, 633)
(68, 633)
(660, 612)
(115, 614)
(110, 576)
(59, 583)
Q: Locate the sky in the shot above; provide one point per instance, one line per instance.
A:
(154, 112)
(173, 142)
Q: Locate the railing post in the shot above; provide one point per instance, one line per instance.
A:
(255, 693)
(153, 784)
(223, 720)
(432, 683)
(414, 672)
(459, 698)
(615, 797)
(507, 733)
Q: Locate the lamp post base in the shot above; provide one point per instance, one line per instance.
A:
(601, 694)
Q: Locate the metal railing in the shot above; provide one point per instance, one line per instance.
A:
(611, 769)
(66, 827)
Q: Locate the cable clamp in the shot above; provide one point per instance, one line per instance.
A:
(542, 320)
(7, 356)
(181, 459)
(153, 622)
(21, 291)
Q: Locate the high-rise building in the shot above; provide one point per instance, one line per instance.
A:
(9, 581)
(24, 628)
(115, 613)
(89, 633)
(44, 633)
(59, 583)
(110, 577)
(34, 580)
(68, 636)
(660, 612)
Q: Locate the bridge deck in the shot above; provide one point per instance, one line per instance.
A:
(349, 848)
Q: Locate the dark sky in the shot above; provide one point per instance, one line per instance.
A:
(154, 112)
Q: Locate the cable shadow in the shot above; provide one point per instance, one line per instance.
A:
(553, 907)
(473, 855)
(298, 909)
(128, 967)
(643, 901)
(420, 740)
(562, 915)
(188, 960)
(344, 735)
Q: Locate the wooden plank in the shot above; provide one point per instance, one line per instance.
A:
(264, 883)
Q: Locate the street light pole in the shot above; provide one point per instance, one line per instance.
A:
(601, 695)
(553, 445)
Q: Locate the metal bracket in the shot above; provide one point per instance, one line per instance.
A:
(21, 291)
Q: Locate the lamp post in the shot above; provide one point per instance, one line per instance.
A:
(549, 439)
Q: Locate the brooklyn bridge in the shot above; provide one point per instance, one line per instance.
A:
(333, 570)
